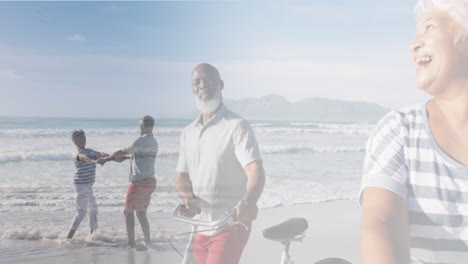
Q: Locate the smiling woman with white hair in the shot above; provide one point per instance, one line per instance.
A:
(414, 193)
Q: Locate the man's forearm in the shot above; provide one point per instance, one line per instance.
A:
(101, 155)
(184, 185)
(107, 158)
(84, 158)
(255, 182)
(119, 153)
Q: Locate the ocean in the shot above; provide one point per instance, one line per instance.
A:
(305, 162)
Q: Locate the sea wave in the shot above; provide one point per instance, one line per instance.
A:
(35, 156)
(299, 148)
(33, 133)
(114, 238)
(294, 127)
(262, 124)
(312, 201)
(28, 234)
(116, 206)
(318, 130)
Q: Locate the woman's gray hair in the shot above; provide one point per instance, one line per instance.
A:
(457, 9)
(77, 133)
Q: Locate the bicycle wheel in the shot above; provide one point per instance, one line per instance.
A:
(333, 261)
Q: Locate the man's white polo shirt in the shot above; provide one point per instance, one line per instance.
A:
(214, 156)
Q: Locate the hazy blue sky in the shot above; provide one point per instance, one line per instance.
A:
(126, 59)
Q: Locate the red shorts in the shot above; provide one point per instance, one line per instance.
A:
(223, 248)
(139, 194)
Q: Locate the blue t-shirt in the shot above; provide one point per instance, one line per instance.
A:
(144, 151)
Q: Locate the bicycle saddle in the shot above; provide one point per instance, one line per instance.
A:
(286, 230)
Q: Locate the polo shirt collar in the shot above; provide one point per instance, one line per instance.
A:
(218, 115)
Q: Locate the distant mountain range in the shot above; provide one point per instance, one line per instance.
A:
(275, 107)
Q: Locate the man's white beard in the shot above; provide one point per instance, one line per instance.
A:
(210, 105)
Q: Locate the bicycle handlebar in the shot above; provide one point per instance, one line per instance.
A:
(195, 222)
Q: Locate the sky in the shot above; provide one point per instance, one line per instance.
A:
(128, 59)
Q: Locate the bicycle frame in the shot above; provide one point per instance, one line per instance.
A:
(188, 253)
(292, 230)
(285, 257)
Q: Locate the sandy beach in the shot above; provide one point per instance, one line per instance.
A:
(333, 232)
(307, 164)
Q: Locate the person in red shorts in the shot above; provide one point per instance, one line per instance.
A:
(142, 154)
(219, 168)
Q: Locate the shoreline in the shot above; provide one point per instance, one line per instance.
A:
(333, 232)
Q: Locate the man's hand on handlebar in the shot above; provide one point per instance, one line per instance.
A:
(190, 208)
(246, 212)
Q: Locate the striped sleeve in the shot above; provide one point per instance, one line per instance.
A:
(384, 164)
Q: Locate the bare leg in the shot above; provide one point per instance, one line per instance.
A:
(144, 225)
(71, 234)
(130, 222)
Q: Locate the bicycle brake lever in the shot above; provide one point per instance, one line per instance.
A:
(240, 223)
(245, 226)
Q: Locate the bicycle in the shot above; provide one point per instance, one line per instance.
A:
(285, 233)
(293, 230)
(225, 220)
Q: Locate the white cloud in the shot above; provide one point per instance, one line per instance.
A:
(77, 37)
(12, 74)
